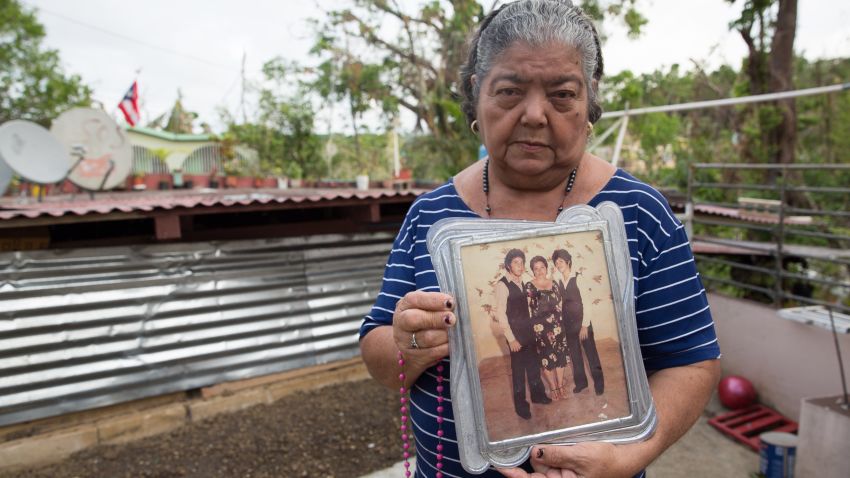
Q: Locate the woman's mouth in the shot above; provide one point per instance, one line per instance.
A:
(530, 147)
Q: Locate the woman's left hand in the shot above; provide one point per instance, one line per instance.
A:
(583, 460)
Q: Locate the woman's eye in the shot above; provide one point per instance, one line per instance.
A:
(564, 95)
(508, 92)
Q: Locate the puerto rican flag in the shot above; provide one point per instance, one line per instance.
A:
(130, 104)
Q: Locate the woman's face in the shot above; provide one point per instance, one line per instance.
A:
(562, 266)
(517, 266)
(532, 109)
(539, 269)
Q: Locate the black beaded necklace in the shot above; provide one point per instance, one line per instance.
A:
(485, 179)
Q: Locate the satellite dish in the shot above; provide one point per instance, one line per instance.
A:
(101, 146)
(32, 152)
(5, 176)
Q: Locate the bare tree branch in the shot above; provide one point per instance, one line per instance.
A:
(369, 32)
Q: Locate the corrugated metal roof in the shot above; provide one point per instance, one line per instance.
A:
(751, 216)
(739, 213)
(131, 202)
(714, 245)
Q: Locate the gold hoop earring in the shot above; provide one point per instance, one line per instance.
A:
(474, 127)
(589, 129)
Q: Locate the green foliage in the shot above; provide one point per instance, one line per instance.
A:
(709, 270)
(32, 83)
(282, 132)
(373, 159)
(823, 120)
(177, 120)
(364, 68)
(361, 86)
(731, 134)
(437, 158)
(294, 171)
(737, 135)
(417, 70)
(623, 9)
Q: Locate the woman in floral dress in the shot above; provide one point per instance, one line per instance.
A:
(544, 300)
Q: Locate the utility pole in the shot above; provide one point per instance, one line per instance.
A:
(242, 95)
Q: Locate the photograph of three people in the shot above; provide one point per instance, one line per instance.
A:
(545, 333)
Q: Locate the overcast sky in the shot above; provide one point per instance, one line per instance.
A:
(197, 46)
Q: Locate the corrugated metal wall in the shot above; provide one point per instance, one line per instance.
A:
(86, 328)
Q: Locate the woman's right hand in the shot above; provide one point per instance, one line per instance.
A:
(425, 316)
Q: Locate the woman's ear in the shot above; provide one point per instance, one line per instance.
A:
(474, 80)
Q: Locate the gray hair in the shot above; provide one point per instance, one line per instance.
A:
(535, 22)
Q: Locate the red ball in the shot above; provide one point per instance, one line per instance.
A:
(736, 392)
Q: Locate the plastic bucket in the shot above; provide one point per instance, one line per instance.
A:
(778, 453)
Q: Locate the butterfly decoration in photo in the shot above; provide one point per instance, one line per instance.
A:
(129, 105)
(482, 297)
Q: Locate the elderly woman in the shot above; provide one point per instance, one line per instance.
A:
(530, 92)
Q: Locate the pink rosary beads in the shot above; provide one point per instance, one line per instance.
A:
(440, 420)
(405, 439)
(405, 436)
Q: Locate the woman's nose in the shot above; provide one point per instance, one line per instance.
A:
(534, 115)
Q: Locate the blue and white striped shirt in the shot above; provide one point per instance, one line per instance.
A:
(673, 319)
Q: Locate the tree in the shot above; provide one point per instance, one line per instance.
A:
(345, 78)
(768, 27)
(626, 10)
(176, 120)
(32, 83)
(282, 131)
(414, 52)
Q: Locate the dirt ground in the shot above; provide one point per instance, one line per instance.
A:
(344, 430)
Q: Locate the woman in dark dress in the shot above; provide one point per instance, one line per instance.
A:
(544, 300)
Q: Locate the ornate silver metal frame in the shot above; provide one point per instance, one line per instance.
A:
(478, 452)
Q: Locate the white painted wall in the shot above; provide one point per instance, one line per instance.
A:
(786, 361)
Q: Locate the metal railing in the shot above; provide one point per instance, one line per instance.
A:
(622, 123)
(781, 219)
(209, 158)
(204, 160)
(146, 161)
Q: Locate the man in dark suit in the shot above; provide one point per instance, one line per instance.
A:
(512, 310)
(577, 328)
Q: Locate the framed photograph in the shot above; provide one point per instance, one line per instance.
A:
(546, 345)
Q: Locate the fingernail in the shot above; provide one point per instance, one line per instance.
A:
(539, 453)
(449, 304)
(448, 320)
